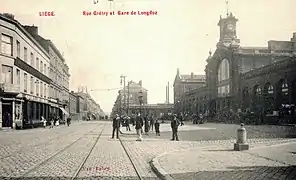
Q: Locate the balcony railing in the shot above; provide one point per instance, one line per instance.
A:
(10, 88)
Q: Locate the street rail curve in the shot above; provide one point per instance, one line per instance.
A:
(86, 157)
(55, 154)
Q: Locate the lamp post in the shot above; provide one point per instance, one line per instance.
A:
(141, 101)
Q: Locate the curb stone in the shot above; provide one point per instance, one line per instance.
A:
(163, 175)
(157, 169)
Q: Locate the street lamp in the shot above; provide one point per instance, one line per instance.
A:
(141, 101)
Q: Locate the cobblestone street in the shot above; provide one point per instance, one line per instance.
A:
(86, 150)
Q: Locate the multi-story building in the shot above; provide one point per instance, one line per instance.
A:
(132, 92)
(80, 104)
(58, 72)
(24, 75)
(248, 79)
(90, 109)
(73, 106)
(184, 83)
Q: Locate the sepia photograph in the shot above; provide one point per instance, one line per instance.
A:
(148, 89)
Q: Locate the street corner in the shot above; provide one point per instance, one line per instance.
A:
(183, 164)
(158, 170)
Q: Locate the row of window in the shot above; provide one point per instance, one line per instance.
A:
(59, 79)
(36, 87)
(39, 86)
(7, 48)
(56, 93)
(270, 89)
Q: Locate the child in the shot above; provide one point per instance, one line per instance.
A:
(156, 125)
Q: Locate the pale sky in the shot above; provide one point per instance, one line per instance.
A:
(98, 49)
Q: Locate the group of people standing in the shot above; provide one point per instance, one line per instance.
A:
(148, 122)
(56, 121)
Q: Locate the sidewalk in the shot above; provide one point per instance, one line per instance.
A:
(268, 161)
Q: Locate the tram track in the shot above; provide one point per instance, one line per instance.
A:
(91, 150)
(96, 136)
(86, 157)
(47, 142)
(129, 157)
(25, 175)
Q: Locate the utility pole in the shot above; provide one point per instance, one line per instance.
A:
(124, 99)
(124, 96)
(128, 96)
(120, 103)
(168, 92)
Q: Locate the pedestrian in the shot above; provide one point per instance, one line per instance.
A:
(181, 119)
(116, 125)
(157, 124)
(58, 121)
(69, 120)
(44, 121)
(51, 121)
(146, 125)
(139, 125)
(174, 125)
(151, 122)
(127, 123)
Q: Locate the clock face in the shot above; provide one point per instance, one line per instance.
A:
(230, 27)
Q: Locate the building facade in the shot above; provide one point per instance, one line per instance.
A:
(256, 79)
(80, 104)
(24, 75)
(157, 110)
(59, 74)
(89, 109)
(183, 84)
(132, 93)
(73, 106)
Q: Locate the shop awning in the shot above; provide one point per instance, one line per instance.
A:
(64, 111)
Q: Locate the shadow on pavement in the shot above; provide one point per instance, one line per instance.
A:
(79, 178)
(252, 172)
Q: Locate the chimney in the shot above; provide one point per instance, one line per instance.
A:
(192, 75)
(140, 83)
(32, 29)
(8, 15)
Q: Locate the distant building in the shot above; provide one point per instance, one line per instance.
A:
(185, 83)
(73, 106)
(90, 109)
(80, 104)
(132, 93)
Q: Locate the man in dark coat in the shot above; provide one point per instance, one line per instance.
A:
(174, 125)
(151, 122)
(139, 124)
(116, 125)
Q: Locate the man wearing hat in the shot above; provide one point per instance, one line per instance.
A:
(116, 125)
(139, 125)
(174, 125)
